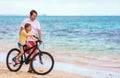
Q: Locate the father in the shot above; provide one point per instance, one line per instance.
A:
(35, 29)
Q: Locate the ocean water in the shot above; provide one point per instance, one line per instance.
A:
(68, 33)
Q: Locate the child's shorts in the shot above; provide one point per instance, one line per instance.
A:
(20, 45)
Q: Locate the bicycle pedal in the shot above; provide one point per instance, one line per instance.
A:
(15, 65)
(13, 59)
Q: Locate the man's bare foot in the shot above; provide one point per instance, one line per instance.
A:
(30, 71)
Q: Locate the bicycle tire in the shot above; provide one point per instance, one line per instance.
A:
(51, 67)
(7, 60)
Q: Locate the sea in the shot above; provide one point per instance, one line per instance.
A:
(75, 34)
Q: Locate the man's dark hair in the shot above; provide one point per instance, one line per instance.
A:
(27, 25)
(33, 11)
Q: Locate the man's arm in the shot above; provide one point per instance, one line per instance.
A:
(40, 33)
(21, 28)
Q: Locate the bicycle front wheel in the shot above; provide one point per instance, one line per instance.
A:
(13, 53)
(42, 63)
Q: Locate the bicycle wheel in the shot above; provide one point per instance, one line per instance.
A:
(42, 63)
(10, 62)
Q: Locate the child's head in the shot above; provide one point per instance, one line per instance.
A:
(28, 27)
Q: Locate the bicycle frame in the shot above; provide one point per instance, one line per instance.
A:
(26, 58)
(38, 58)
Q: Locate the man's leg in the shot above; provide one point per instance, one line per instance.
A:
(30, 44)
(30, 68)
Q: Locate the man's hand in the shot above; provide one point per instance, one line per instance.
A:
(40, 41)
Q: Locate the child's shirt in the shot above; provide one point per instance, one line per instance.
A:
(24, 35)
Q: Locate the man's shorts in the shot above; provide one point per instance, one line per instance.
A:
(32, 43)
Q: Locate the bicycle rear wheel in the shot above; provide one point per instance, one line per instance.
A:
(42, 63)
(10, 60)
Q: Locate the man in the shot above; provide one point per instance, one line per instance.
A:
(35, 29)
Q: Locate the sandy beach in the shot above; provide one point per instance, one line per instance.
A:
(22, 73)
(5, 73)
(66, 66)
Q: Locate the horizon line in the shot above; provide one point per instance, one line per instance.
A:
(54, 15)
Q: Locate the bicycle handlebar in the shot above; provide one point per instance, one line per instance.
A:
(39, 40)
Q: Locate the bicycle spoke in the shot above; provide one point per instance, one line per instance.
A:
(10, 62)
(44, 67)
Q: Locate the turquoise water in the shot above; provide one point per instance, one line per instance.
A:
(69, 33)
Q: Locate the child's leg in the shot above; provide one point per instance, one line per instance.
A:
(21, 52)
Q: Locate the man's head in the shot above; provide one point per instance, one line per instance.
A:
(33, 15)
(28, 27)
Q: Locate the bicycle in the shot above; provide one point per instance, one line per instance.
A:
(40, 61)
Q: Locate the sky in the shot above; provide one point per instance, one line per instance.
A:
(60, 7)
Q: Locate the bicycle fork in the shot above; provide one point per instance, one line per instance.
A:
(40, 58)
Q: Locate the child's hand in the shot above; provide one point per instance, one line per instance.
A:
(34, 36)
(31, 35)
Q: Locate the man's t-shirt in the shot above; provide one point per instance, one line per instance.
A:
(35, 26)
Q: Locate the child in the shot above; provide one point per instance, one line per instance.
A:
(25, 33)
